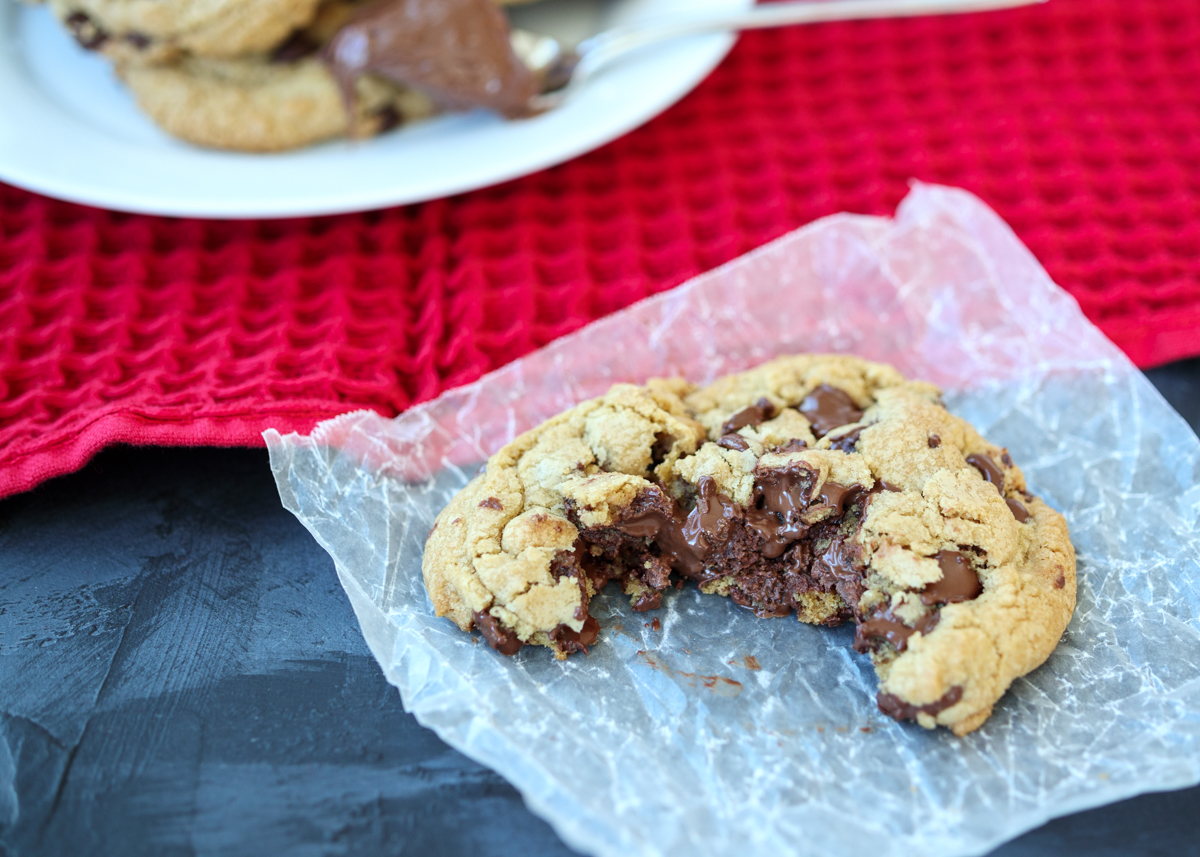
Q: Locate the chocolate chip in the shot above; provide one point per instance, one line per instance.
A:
(490, 503)
(139, 40)
(896, 708)
(749, 416)
(662, 445)
(504, 641)
(796, 444)
(572, 641)
(86, 31)
(837, 495)
(296, 47)
(1018, 509)
(734, 442)
(1007, 459)
(827, 408)
(934, 441)
(987, 469)
(847, 442)
(959, 580)
(389, 117)
(1060, 581)
(884, 625)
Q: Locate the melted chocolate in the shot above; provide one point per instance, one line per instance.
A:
(751, 416)
(898, 709)
(779, 498)
(840, 567)
(987, 469)
(686, 541)
(576, 641)
(297, 46)
(884, 625)
(457, 52)
(710, 524)
(847, 442)
(504, 641)
(490, 503)
(734, 441)
(959, 581)
(1060, 581)
(837, 495)
(827, 408)
(649, 600)
(796, 444)
(1018, 510)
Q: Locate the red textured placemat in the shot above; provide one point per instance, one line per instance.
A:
(1078, 121)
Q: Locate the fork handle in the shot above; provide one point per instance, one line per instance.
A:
(607, 46)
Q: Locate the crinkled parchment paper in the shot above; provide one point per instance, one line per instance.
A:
(669, 741)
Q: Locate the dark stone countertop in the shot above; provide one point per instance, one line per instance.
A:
(180, 673)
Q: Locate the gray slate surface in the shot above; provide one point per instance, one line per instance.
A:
(180, 673)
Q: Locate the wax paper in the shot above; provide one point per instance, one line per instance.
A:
(719, 733)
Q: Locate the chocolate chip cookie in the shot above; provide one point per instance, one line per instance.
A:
(264, 105)
(826, 486)
(154, 31)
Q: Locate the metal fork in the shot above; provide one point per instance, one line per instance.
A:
(566, 70)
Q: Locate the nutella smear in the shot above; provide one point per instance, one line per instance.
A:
(457, 52)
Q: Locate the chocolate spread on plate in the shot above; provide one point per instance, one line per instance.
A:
(457, 52)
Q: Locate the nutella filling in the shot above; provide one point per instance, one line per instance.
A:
(457, 52)
(827, 408)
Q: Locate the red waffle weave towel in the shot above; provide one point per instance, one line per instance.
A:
(1078, 121)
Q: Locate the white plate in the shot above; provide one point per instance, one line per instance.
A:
(69, 130)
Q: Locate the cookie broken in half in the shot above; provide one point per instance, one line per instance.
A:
(826, 486)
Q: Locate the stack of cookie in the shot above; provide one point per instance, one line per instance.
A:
(248, 75)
